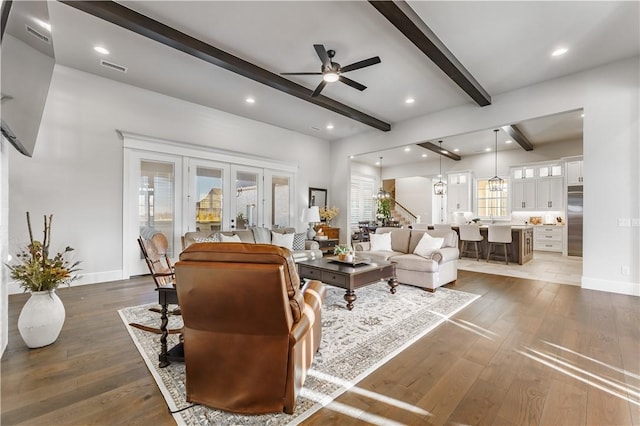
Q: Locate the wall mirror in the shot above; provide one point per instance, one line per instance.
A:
(317, 197)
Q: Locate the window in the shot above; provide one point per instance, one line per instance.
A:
(492, 204)
(362, 203)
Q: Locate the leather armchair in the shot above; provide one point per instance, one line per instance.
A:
(250, 332)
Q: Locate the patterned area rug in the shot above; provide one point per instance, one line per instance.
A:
(354, 343)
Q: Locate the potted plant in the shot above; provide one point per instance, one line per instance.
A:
(42, 317)
(343, 252)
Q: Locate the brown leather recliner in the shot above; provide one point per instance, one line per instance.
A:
(250, 333)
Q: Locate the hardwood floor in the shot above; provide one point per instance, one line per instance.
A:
(526, 352)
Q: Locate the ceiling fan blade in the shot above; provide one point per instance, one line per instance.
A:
(352, 83)
(323, 55)
(361, 64)
(319, 89)
(300, 73)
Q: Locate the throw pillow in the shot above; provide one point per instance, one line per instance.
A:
(230, 239)
(427, 244)
(282, 240)
(299, 240)
(380, 242)
(213, 238)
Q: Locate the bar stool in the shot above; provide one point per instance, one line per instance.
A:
(470, 234)
(501, 235)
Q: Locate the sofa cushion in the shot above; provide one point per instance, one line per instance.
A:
(399, 238)
(427, 245)
(213, 238)
(282, 240)
(381, 242)
(378, 256)
(261, 235)
(413, 262)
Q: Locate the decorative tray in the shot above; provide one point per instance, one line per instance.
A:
(355, 262)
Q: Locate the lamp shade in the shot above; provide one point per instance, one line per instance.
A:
(312, 214)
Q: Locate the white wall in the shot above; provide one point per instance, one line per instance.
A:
(4, 241)
(76, 172)
(609, 96)
(415, 194)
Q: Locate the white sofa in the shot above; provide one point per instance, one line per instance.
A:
(256, 235)
(437, 268)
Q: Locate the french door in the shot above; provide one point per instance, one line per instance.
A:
(206, 207)
(246, 200)
(153, 184)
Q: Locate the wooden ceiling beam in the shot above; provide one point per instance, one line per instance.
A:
(157, 31)
(514, 132)
(407, 21)
(435, 148)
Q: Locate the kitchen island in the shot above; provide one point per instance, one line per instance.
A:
(521, 248)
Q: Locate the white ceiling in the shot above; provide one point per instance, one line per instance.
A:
(504, 45)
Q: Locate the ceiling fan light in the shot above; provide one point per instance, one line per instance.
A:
(330, 77)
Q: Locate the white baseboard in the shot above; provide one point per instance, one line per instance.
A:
(632, 289)
(95, 277)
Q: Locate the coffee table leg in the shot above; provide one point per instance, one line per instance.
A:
(350, 297)
(393, 283)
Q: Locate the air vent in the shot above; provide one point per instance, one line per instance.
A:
(38, 34)
(113, 66)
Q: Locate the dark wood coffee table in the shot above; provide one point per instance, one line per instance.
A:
(349, 277)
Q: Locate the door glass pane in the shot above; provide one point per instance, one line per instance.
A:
(246, 200)
(281, 205)
(156, 198)
(208, 199)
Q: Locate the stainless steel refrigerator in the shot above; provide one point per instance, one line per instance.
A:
(574, 220)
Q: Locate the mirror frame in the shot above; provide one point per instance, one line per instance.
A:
(315, 194)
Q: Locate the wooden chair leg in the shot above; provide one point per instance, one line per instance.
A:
(506, 255)
(475, 243)
(489, 251)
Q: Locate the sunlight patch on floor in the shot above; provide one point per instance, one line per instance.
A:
(466, 325)
(369, 394)
(582, 375)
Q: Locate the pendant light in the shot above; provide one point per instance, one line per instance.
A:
(440, 188)
(382, 194)
(495, 183)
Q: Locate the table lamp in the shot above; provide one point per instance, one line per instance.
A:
(312, 216)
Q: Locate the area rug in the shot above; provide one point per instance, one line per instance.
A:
(354, 343)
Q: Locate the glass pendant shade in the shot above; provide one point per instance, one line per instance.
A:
(440, 188)
(382, 194)
(496, 183)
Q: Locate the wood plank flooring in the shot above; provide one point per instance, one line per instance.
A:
(527, 352)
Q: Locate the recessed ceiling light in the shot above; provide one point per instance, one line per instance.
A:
(424, 155)
(456, 150)
(559, 52)
(101, 50)
(582, 115)
(377, 163)
(351, 156)
(508, 141)
(329, 126)
(409, 101)
(43, 24)
(487, 149)
(250, 101)
(407, 149)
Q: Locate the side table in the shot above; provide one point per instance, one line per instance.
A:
(327, 246)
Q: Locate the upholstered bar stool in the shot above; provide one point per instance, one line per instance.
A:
(499, 235)
(470, 234)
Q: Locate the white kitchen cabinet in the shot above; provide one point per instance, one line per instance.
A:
(459, 187)
(523, 194)
(526, 172)
(547, 238)
(549, 170)
(574, 172)
(550, 192)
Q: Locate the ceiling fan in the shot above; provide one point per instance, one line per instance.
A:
(332, 71)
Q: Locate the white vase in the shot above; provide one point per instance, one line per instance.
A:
(41, 319)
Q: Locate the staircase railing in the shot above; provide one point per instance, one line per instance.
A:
(412, 217)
